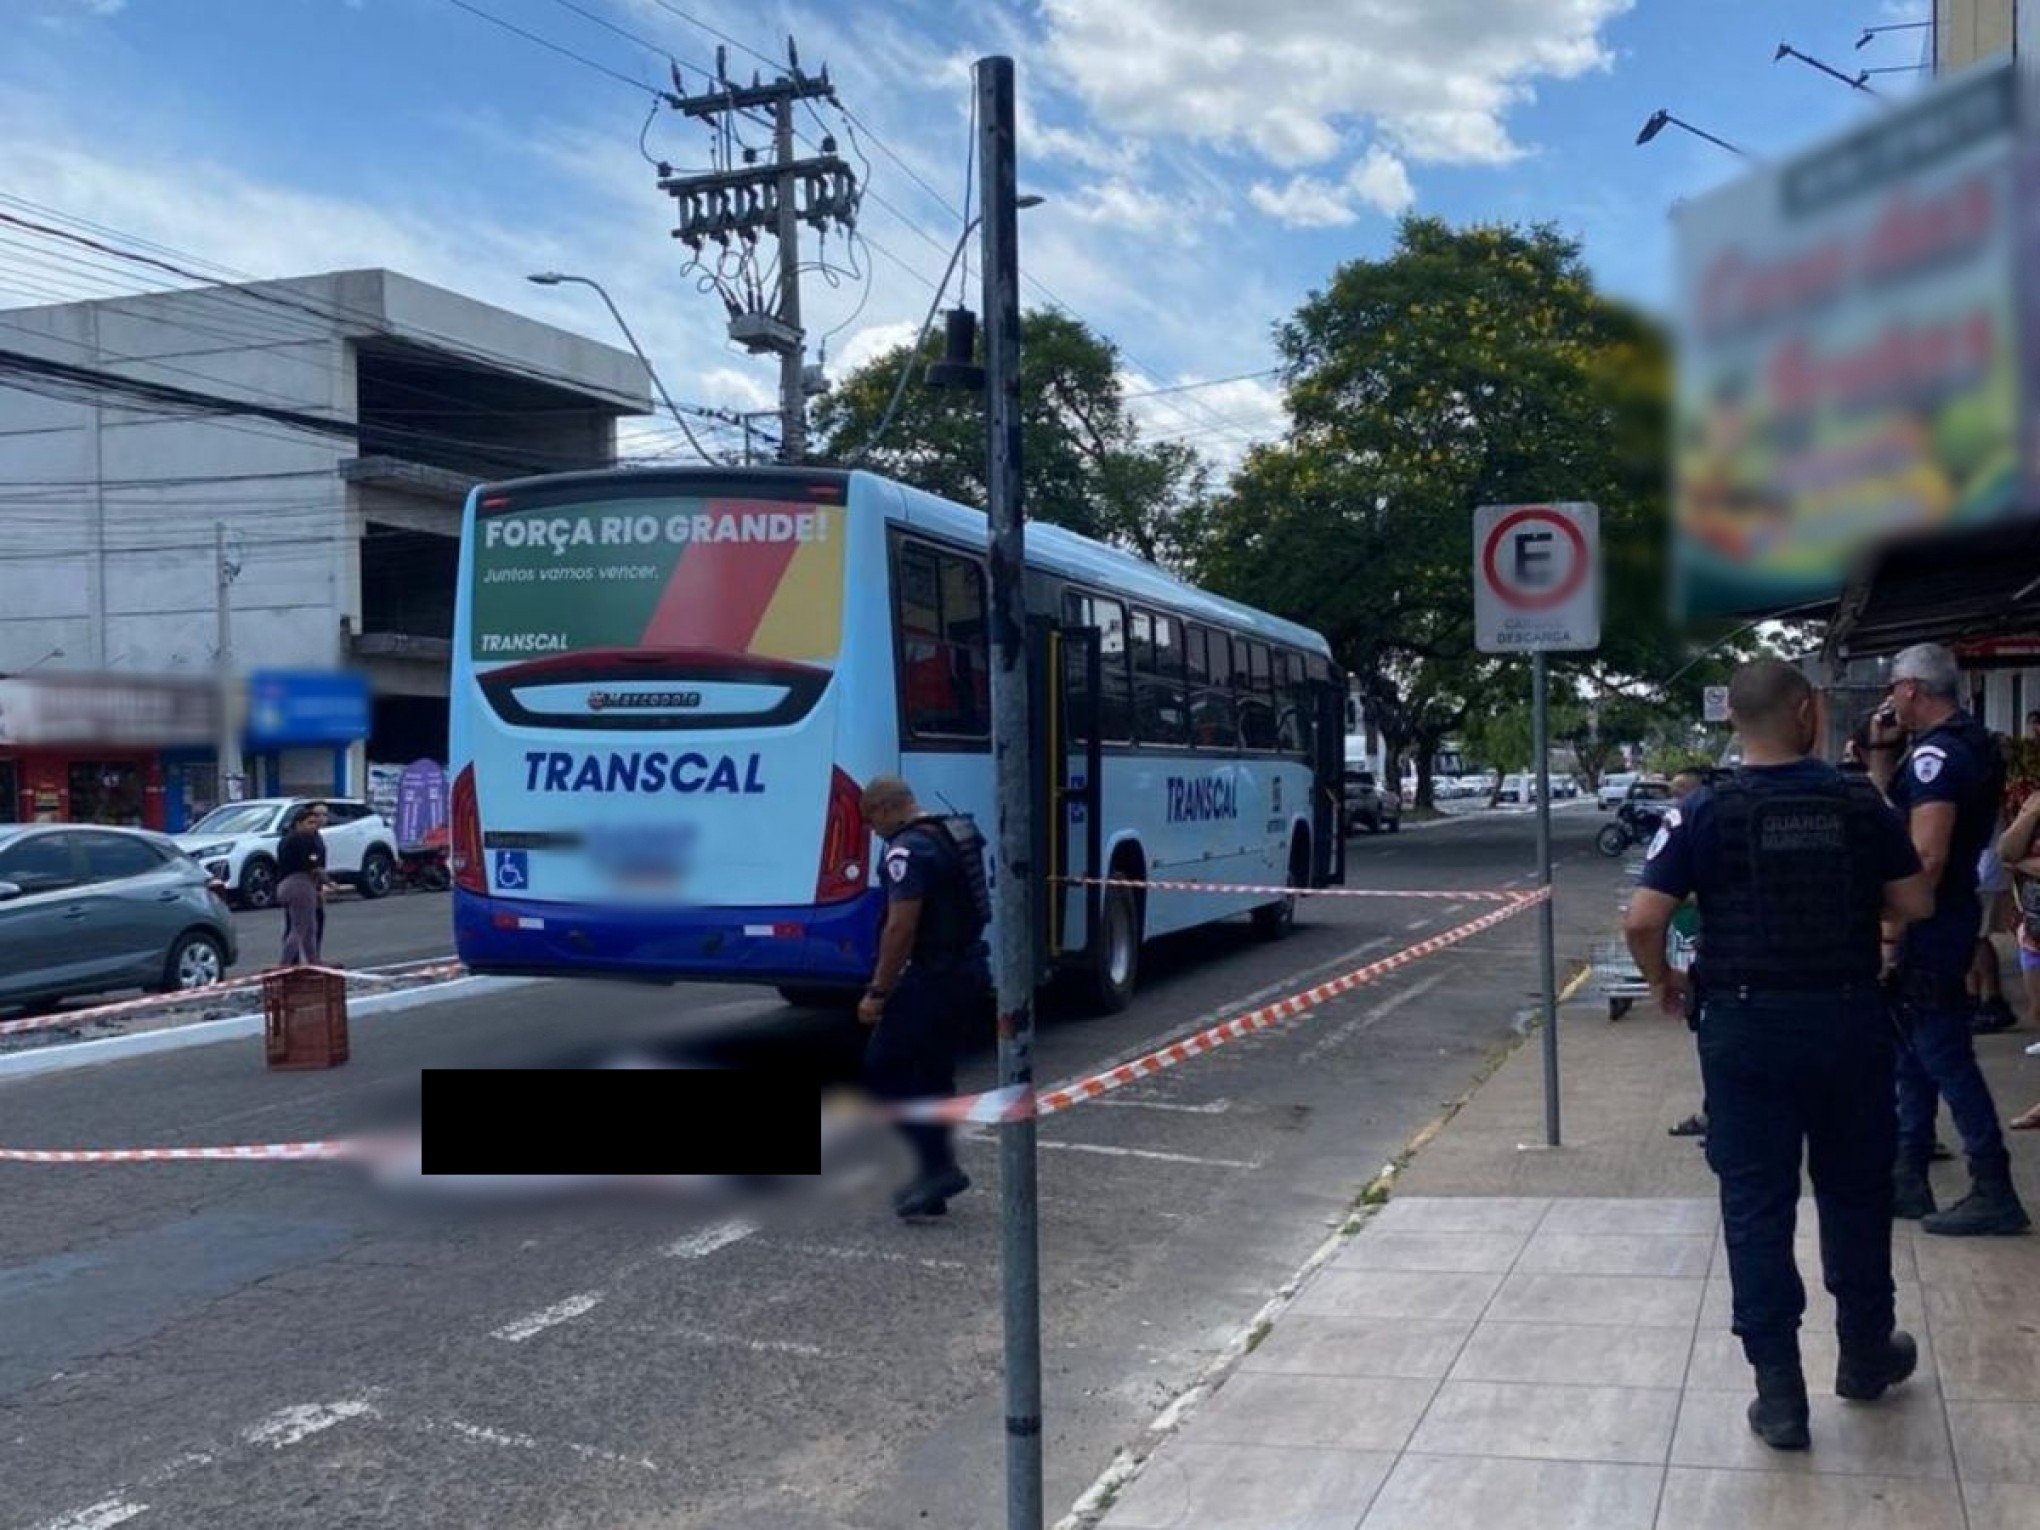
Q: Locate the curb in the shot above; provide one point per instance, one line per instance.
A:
(1097, 1499)
(106, 1049)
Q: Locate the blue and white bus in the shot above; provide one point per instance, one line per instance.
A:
(670, 687)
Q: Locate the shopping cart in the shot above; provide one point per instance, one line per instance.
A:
(1621, 984)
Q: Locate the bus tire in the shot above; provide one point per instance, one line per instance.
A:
(800, 996)
(1272, 921)
(1117, 973)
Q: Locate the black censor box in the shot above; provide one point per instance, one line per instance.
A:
(665, 1121)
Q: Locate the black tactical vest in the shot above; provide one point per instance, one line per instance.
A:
(955, 911)
(1798, 890)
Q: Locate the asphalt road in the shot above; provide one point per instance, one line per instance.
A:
(273, 1345)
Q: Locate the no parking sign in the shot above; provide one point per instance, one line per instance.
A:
(1537, 578)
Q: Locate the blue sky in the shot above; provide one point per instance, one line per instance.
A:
(1206, 162)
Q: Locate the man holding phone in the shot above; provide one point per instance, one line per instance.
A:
(1948, 786)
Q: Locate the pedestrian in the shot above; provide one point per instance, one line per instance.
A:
(1684, 785)
(1949, 785)
(932, 976)
(2021, 855)
(1794, 865)
(301, 886)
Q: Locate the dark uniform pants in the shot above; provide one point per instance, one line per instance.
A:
(912, 1052)
(1782, 1069)
(1939, 1062)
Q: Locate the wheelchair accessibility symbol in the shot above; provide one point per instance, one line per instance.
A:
(513, 870)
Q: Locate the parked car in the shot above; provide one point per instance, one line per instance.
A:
(1368, 806)
(1615, 788)
(1564, 787)
(237, 841)
(1647, 789)
(85, 910)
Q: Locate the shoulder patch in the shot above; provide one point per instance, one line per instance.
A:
(1658, 841)
(896, 862)
(1927, 762)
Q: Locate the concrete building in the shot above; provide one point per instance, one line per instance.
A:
(324, 430)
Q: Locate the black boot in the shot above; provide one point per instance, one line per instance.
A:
(1912, 1197)
(929, 1195)
(1990, 1209)
(1778, 1416)
(1993, 1015)
(1867, 1373)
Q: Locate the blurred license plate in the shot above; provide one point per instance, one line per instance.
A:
(657, 857)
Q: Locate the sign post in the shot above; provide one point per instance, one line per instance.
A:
(1537, 590)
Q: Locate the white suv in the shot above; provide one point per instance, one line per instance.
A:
(237, 843)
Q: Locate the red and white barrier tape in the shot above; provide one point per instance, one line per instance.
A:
(1163, 884)
(1012, 1104)
(272, 1152)
(997, 1105)
(71, 1017)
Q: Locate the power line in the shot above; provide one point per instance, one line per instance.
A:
(543, 42)
(1214, 382)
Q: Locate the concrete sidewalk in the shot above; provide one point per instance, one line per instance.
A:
(1525, 1339)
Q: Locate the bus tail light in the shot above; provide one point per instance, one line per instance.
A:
(468, 872)
(845, 839)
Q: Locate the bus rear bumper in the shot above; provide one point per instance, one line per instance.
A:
(804, 945)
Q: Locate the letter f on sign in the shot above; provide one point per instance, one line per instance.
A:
(1533, 558)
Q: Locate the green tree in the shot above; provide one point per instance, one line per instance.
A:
(1086, 465)
(1467, 367)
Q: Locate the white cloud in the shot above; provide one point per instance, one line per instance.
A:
(1221, 420)
(1381, 181)
(866, 345)
(1304, 203)
(1287, 79)
(1377, 180)
(1120, 204)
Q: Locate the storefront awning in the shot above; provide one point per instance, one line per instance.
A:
(1977, 588)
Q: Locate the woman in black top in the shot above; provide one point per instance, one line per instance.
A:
(301, 887)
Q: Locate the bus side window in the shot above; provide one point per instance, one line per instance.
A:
(1292, 705)
(1115, 706)
(944, 679)
(1212, 723)
(1159, 714)
(1257, 700)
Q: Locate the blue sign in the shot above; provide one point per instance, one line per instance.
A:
(301, 707)
(513, 870)
(421, 802)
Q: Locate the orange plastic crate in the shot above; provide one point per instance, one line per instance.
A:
(305, 1019)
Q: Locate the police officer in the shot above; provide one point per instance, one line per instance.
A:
(1793, 865)
(1949, 786)
(932, 974)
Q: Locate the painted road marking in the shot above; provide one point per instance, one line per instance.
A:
(701, 1244)
(103, 1515)
(538, 1322)
(482, 1434)
(1104, 1150)
(1335, 1039)
(291, 1426)
(877, 1255)
(1212, 1108)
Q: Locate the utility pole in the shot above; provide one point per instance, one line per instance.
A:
(732, 206)
(225, 571)
(1012, 752)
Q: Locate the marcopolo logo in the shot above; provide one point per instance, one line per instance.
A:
(654, 770)
(558, 534)
(644, 701)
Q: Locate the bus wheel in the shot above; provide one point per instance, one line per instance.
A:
(1118, 970)
(1274, 920)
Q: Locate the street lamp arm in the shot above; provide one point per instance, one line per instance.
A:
(554, 278)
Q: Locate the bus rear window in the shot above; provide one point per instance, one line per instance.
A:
(762, 578)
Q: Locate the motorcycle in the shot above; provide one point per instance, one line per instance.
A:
(1635, 823)
(428, 865)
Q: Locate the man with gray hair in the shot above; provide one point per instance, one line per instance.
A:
(1949, 786)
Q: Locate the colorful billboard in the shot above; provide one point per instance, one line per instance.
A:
(1850, 351)
(717, 576)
